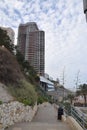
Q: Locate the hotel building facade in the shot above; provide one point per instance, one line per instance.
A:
(31, 43)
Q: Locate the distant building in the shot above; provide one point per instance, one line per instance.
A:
(57, 80)
(50, 78)
(10, 33)
(85, 7)
(31, 43)
(79, 100)
(46, 76)
(58, 93)
(46, 84)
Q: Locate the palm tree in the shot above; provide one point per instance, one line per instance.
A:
(82, 91)
(70, 97)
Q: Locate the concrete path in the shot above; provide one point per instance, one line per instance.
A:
(45, 119)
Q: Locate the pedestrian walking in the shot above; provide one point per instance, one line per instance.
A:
(60, 113)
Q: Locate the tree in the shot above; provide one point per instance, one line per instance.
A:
(82, 91)
(19, 57)
(5, 41)
(70, 97)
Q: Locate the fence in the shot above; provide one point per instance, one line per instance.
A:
(79, 116)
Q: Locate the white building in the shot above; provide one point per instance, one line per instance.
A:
(46, 84)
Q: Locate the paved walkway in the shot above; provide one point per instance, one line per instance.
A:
(45, 119)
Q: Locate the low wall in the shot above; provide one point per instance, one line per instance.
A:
(63, 118)
(14, 112)
(73, 123)
(5, 97)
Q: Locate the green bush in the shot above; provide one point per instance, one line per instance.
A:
(43, 98)
(0, 102)
(27, 102)
(24, 93)
(67, 108)
(40, 100)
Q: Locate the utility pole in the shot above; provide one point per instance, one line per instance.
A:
(63, 79)
(77, 80)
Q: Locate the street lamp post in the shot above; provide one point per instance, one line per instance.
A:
(63, 83)
(85, 8)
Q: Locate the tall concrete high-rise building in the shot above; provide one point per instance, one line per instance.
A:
(31, 43)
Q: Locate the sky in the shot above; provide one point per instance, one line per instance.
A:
(65, 29)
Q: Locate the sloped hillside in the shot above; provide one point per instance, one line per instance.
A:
(22, 87)
(9, 68)
(12, 77)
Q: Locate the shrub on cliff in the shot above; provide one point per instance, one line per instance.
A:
(24, 93)
(5, 40)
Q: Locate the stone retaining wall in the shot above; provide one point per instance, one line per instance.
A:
(5, 97)
(14, 112)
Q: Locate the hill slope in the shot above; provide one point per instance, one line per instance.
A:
(24, 88)
(10, 72)
(13, 78)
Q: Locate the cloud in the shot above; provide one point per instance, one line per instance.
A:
(65, 32)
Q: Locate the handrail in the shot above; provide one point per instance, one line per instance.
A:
(79, 116)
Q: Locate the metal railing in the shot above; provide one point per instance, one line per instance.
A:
(78, 115)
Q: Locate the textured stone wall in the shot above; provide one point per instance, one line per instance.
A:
(4, 95)
(14, 112)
